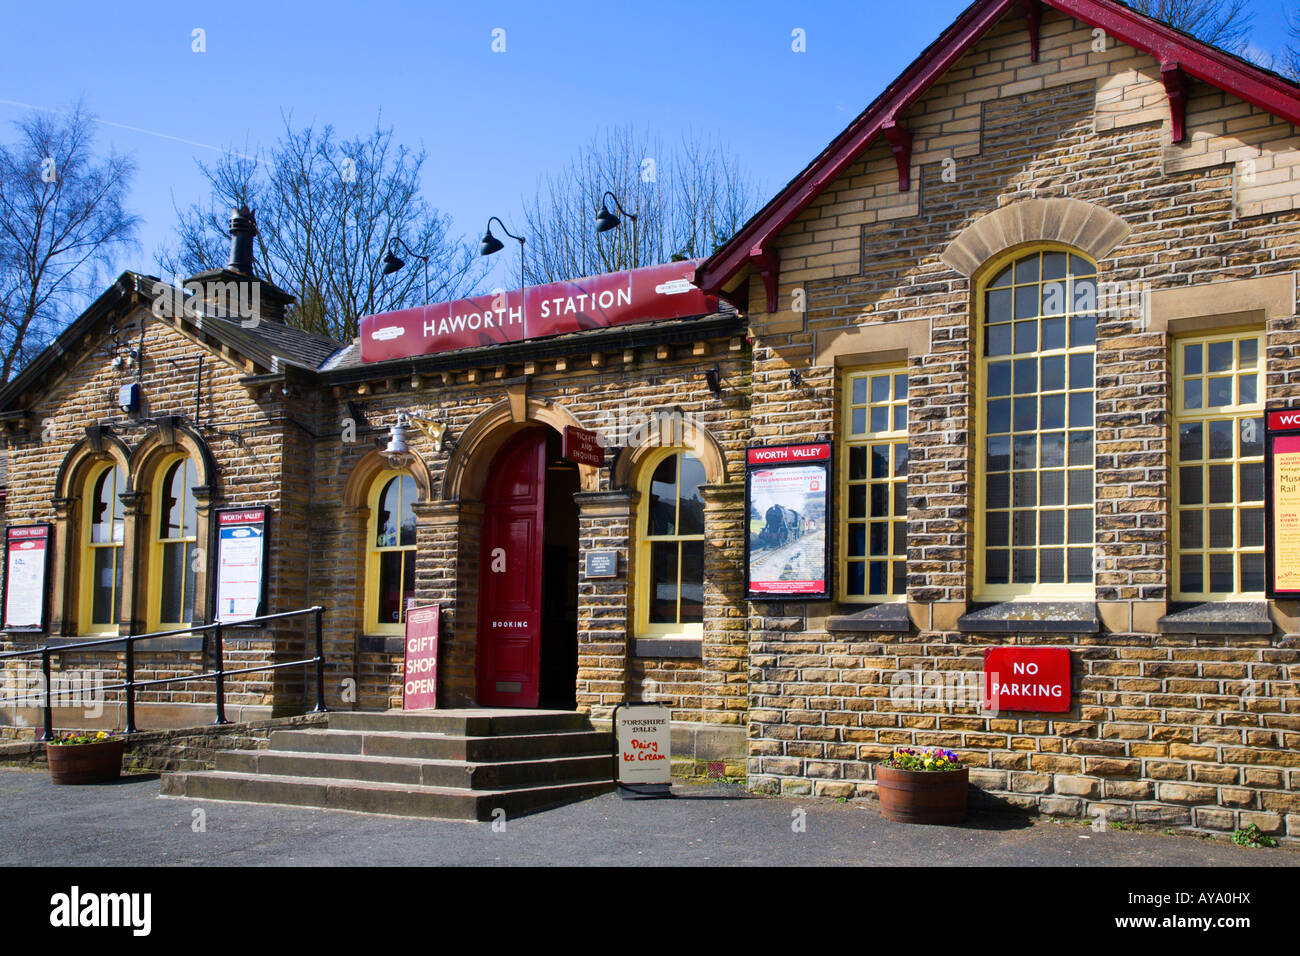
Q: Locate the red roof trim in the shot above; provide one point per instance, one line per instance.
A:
(1172, 48)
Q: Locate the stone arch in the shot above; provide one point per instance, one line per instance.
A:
(167, 437)
(83, 455)
(694, 437)
(1070, 222)
(467, 469)
(356, 492)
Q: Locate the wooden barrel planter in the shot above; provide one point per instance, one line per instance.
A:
(922, 796)
(85, 763)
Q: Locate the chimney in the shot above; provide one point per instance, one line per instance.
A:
(243, 227)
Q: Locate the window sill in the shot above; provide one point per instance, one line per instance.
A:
(1217, 617)
(381, 643)
(873, 619)
(1032, 617)
(669, 647)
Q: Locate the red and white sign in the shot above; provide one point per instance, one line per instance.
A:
(25, 553)
(655, 293)
(789, 454)
(1284, 420)
(420, 672)
(583, 446)
(1027, 678)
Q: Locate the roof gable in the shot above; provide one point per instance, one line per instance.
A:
(1179, 55)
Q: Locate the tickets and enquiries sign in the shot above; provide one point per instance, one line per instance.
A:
(1282, 502)
(420, 665)
(643, 750)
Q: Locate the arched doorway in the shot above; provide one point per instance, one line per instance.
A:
(528, 576)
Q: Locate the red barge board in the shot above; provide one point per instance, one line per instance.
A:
(655, 293)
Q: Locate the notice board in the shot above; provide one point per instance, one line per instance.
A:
(787, 509)
(241, 563)
(1282, 502)
(27, 554)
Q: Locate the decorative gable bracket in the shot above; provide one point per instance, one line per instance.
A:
(1034, 18)
(900, 141)
(1176, 89)
(769, 269)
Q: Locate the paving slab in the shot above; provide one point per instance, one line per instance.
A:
(128, 823)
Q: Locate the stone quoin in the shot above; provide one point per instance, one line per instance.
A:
(1039, 302)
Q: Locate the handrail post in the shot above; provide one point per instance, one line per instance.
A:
(220, 661)
(320, 663)
(48, 708)
(130, 683)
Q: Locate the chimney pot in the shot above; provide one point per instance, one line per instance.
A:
(243, 227)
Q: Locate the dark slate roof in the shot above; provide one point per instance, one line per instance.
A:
(276, 341)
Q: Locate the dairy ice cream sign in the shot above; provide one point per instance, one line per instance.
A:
(655, 293)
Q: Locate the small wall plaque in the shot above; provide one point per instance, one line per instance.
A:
(602, 564)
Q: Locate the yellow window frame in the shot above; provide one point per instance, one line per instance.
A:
(1236, 411)
(374, 555)
(894, 438)
(981, 591)
(158, 544)
(86, 587)
(644, 570)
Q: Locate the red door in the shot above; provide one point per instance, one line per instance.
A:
(510, 574)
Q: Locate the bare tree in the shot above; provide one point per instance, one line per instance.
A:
(1289, 60)
(1223, 23)
(327, 210)
(688, 201)
(62, 224)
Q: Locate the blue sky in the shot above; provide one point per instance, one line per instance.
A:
(493, 123)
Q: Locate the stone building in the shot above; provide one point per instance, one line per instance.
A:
(1036, 300)
(1069, 236)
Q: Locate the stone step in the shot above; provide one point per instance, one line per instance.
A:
(417, 771)
(397, 799)
(443, 746)
(461, 723)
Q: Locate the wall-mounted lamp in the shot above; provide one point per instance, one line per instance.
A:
(398, 452)
(713, 377)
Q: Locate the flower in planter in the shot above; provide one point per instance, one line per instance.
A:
(96, 737)
(909, 758)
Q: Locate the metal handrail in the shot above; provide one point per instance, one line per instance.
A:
(47, 651)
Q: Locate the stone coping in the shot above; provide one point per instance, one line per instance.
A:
(1033, 617)
(879, 617)
(1217, 617)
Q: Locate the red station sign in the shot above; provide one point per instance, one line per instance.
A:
(655, 293)
(1027, 678)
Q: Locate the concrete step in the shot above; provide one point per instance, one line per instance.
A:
(443, 746)
(473, 723)
(397, 799)
(417, 771)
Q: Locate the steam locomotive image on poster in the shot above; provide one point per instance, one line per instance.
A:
(786, 544)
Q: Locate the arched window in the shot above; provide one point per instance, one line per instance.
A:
(102, 537)
(390, 550)
(671, 558)
(174, 539)
(1035, 427)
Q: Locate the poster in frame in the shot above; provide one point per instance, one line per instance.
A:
(1282, 502)
(787, 522)
(26, 573)
(240, 586)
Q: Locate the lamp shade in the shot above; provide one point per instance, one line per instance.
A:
(606, 220)
(490, 244)
(392, 263)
